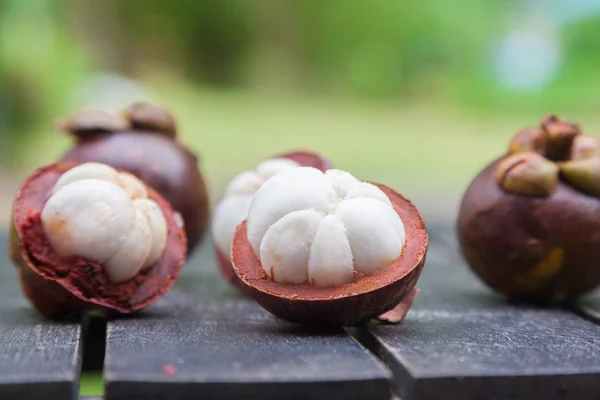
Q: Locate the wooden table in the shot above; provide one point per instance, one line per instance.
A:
(202, 341)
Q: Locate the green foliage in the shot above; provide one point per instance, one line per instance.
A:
(582, 40)
(207, 38)
(368, 47)
(40, 64)
(573, 90)
(388, 50)
(386, 47)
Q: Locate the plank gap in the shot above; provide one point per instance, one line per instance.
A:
(363, 336)
(94, 344)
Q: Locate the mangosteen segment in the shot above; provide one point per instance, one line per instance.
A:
(233, 208)
(323, 228)
(100, 214)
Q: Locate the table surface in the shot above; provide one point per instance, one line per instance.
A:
(202, 340)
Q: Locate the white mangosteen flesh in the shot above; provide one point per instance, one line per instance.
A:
(307, 226)
(232, 210)
(103, 215)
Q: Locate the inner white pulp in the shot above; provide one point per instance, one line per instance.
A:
(310, 226)
(232, 210)
(105, 216)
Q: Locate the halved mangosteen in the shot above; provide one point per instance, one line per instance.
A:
(89, 237)
(326, 248)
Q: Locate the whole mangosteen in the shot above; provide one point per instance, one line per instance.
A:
(143, 141)
(529, 223)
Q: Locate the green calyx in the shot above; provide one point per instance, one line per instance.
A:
(583, 174)
(150, 117)
(91, 121)
(585, 146)
(539, 156)
(527, 174)
(529, 139)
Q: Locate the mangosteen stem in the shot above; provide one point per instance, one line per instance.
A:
(527, 174)
(559, 137)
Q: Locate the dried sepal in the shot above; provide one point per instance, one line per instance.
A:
(145, 116)
(527, 174)
(585, 146)
(527, 139)
(90, 122)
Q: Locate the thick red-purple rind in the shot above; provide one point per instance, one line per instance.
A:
(57, 286)
(164, 164)
(351, 304)
(305, 159)
(226, 269)
(503, 237)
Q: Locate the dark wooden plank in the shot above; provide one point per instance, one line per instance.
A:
(38, 359)
(446, 247)
(203, 341)
(443, 233)
(461, 341)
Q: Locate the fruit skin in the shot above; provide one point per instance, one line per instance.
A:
(352, 304)
(59, 287)
(226, 269)
(155, 157)
(529, 223)
(538, 249)
(305, 159)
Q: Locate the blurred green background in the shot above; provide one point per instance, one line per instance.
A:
(415, 94)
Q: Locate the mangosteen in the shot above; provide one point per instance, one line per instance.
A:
(529, 223)
(89, 237)
(143, 141)
(326, 248)
(233, 208)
